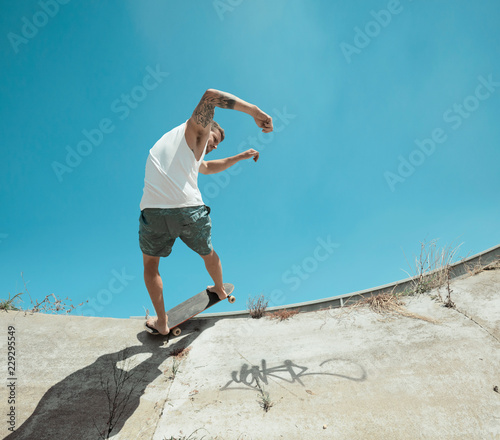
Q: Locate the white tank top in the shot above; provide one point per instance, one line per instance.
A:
(172, 173)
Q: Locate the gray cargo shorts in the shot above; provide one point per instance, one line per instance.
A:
(159, 227)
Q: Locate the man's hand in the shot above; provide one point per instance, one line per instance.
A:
(263, 120)
(250, 153)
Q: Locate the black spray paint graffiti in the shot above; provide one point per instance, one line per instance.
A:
(288, 372)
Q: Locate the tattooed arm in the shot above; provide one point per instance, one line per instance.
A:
(198, 126)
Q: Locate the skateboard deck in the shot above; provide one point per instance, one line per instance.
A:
(192, 307)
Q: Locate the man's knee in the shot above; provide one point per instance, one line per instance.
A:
(209, 256)
(151, 264)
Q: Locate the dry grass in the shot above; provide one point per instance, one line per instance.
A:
(431, 266)
(432, 270)
(180, 353)
(257, 306)
(493, 266)
(9, 304)
(478, 267)
(265, 401)
(283, 314)
(390, 304)
(50, 304)
(474, 269)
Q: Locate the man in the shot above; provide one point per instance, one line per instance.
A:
(172, 206)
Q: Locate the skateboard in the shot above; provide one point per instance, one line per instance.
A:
(192, 307)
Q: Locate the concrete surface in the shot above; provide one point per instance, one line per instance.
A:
(346, 373)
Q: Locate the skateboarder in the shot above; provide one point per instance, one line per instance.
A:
(172, 205)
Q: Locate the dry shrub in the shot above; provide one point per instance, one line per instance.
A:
(282, 314)
(257, 306)
(180, 353)
(474, 269)
(478, 267)
(50, 304)
(494, 265)
(432, 266)
(388, 304)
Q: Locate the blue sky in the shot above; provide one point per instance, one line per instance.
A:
(386, 117)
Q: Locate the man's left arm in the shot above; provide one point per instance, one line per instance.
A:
(219, 165)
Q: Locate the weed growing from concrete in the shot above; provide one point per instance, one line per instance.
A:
(492, 266)
(175, 369)
(8, 304)
(282, 314)
(448, 303)
(431, 266)
(257, 306)
(50, 304)
(446, 300)
(264, 400)
(474, 269)
(390, 304)
(178, 355)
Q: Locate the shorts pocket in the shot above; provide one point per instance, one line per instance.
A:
(142, 219)
(149, 222)
(194, 215)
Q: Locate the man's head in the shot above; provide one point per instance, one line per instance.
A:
(216, 136)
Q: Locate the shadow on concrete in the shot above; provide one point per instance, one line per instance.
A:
(79, 406)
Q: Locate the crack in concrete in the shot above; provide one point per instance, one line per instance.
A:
(171, 380)
(475, 322)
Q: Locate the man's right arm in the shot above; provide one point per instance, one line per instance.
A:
(199, 125)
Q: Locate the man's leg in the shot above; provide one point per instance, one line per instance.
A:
(154, 285)
(214, 268)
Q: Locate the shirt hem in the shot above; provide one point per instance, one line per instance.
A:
(165, 206)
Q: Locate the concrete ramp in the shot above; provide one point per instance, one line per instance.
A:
(346, 373)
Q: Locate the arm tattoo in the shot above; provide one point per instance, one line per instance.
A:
(204, 112)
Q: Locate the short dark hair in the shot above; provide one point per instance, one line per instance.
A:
(216, 126)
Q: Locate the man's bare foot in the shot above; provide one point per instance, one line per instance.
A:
(221, 292)
(160, 327)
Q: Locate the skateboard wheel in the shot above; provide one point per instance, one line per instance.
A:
(231, 299)
(176, 331)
